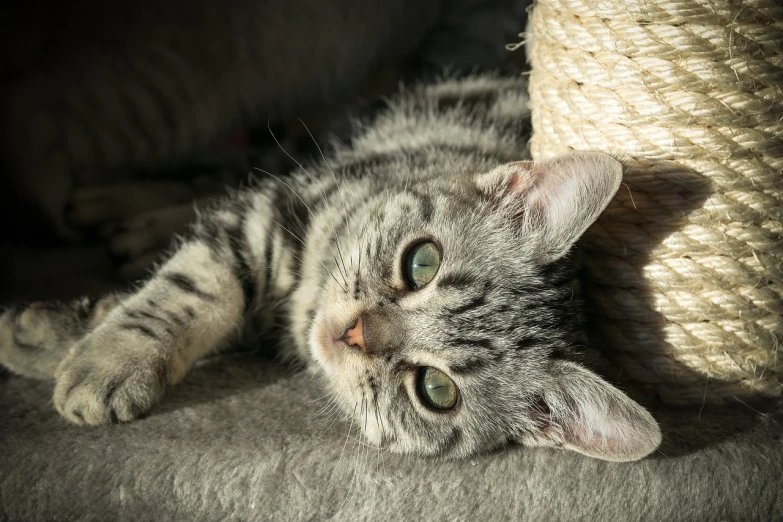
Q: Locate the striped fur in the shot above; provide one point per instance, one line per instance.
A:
(503, 316)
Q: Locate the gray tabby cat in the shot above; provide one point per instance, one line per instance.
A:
(425, 275)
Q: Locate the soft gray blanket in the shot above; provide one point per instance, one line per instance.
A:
(242, 439)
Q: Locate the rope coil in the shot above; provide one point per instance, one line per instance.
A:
(687, 265)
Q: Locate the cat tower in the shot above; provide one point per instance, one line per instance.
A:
(686, 267)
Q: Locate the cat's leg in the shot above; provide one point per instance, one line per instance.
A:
(192, 305)
(35, 337)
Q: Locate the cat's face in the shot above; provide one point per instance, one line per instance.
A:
(452, 334)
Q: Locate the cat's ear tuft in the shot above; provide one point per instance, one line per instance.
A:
(557, 199)
(584, 413)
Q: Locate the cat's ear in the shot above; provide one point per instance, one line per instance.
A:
(557, 199)
(584, 413)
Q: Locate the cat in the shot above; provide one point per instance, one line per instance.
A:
(426, 274)
(88, 89)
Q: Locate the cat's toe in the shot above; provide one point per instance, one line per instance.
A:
(34, 338)
(36, 327)
(100, 388)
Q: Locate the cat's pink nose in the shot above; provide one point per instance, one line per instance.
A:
(354, 336)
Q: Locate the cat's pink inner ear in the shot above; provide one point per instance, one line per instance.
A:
(506, 179)
(592, 417)
(560, 198)
(523, 177)
(539, 188)
(595, 434)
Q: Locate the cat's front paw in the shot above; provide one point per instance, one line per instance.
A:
(34, 339)
(110, 376)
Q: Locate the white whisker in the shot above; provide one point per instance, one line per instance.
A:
(344, 288)
(334, 176)
(307, 173)
(312, 215)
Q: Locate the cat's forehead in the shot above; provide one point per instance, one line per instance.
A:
(470, 231)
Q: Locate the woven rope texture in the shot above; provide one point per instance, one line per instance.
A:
(686, 267)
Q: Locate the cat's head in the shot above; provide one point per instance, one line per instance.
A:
(456, 326)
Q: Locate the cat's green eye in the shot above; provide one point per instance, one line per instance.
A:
(422, 264)
(436, 389)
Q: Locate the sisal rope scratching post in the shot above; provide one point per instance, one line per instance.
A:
(687, 266)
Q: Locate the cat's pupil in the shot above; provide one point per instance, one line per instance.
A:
(422, 264)
(436, 389)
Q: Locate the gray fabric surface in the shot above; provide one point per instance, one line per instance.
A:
(242, 439)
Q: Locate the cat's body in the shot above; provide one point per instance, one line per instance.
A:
(424, 274)
(88, 88)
